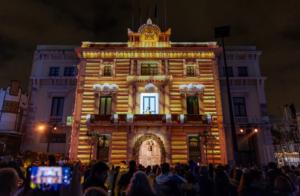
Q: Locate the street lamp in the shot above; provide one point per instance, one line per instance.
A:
(43, 127)
(248, 135)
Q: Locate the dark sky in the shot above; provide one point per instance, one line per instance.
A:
(272, 25)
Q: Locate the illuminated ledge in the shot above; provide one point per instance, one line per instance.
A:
(153, 79)
(88, 44)
(150, 119)
(149, 53)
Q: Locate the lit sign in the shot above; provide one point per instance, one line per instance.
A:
(69, 120)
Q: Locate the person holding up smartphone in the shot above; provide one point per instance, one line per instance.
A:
(97, 176)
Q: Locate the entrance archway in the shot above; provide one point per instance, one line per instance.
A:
(149, 153)
(149, 150)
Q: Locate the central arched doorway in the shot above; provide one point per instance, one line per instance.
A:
(149, 153)
(149, 150)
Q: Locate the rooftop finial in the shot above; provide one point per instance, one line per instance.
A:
(149, 21)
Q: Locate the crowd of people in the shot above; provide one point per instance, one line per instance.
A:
(100, 179)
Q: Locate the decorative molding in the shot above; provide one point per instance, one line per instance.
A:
(150, 87)
(191, 88)
(106, 88)
(149, 79)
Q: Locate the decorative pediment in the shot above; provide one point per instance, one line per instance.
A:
(191, 88)
(150, 87)
(106, 88)
(149, 35)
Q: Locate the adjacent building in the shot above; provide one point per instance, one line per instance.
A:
(147, 99)
(52, 95)
(13, 103)
(247, 86)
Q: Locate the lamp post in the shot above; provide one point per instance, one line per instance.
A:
(49, 128)
(222, 32)
(249, 134)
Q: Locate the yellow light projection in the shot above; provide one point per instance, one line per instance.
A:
(147, 54)
(149, 44)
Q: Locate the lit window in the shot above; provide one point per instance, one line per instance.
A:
(107, 70)
(149, 103)
(69, 71)
(243, 71)
(192, 105)
(239, 106)
(149, 69)
(105, 105)
(190, 70)
(53, 71)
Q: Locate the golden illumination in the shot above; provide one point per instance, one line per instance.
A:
(241, 130)
(41, 127)
(255, 130)
(148, 44)
(148, 54)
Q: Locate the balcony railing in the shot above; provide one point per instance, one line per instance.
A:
(55, 119)
(250, 120)
(149, 119)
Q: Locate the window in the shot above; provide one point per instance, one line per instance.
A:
(194, 148)
(230, 71)
(149, 103)
(190, 70)
(107, 70)
(69, 71)
(149, 69)
(10, 106)
(239, 106)
(192, 105)
(105, 105)
(54, 71)
(57, 106)
(243, 71)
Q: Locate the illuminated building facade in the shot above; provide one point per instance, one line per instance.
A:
(52, 93)
(149, 99)
(247, 85)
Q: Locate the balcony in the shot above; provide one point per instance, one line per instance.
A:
(149, 119)
(243, 120)
(55, 119)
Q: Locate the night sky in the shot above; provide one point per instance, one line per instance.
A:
(273, 26)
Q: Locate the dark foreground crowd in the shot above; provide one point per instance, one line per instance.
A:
(99, 179)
